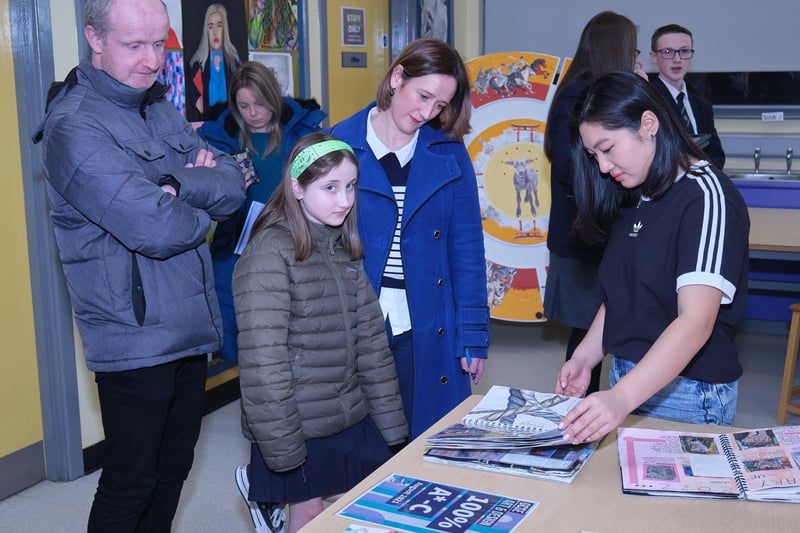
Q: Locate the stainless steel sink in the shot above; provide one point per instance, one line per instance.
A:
(763, 176)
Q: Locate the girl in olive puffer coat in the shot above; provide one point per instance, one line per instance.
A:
(320, 397)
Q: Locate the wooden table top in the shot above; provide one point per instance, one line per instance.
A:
(593, 502)
(774, 230)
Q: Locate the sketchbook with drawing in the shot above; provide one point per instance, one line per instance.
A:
(757, 464)
(512, 431)
(509, 410)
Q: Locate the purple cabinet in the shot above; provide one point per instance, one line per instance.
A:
(774, 280)
(778, 193)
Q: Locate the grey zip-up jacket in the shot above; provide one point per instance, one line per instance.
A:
(313, 353)
(135, 258)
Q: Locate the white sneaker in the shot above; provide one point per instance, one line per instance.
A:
(267, 517)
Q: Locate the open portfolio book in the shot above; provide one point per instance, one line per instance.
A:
(512, 431)
(758, 464)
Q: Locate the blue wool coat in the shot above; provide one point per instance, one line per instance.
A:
(443, 259)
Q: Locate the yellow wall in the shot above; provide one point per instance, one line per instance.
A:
(20, 406)
(350, 89)
(314, 49)
(467, 24)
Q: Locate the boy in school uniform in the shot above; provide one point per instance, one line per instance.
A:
(672, 51)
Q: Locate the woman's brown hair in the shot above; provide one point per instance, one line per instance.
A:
(607, 43)
(434, 56)
(267, 91)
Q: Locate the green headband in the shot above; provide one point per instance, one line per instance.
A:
(309, 154)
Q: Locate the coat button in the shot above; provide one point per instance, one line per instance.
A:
(437, 234)
(440, 331)
(439, 282)
(443, 379)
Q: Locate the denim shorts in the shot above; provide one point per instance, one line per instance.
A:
(684, 399)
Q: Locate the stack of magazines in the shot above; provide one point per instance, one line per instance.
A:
(513, 431)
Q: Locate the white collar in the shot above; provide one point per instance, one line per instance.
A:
(403, 154)
(701, 165)
(671, 88)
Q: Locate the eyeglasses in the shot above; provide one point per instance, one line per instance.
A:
(669, 53)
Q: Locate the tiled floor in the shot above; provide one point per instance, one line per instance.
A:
(524, 355)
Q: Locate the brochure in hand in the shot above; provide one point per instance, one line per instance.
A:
(755, 464)
(244, 237)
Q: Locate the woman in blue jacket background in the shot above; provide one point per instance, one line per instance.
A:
(420, 224)
(260, 126)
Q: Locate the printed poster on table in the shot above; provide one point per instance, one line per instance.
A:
(417, 505)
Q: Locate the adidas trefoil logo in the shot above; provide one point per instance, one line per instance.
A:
(636, 228)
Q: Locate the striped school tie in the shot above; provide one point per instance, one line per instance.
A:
(684, 115)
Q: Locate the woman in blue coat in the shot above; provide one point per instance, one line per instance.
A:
(260, 126)
(420, 223)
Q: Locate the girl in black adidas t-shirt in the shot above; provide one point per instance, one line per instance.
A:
(674, 271)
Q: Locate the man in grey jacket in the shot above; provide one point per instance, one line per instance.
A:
(132, 192)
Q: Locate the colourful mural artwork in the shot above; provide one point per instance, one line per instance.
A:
(514, 293)
(511, 96)
(510, 75)
(513, 180)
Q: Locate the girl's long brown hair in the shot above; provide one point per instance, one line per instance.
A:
(284, 207)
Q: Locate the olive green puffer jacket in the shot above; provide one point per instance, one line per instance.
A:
(313, 354)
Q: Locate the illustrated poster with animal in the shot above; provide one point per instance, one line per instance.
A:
(511, 93)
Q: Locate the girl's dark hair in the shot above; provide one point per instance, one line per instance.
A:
(608, 42)
(284, 207)
(264, 86)
(617, 101)
(433, 56)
